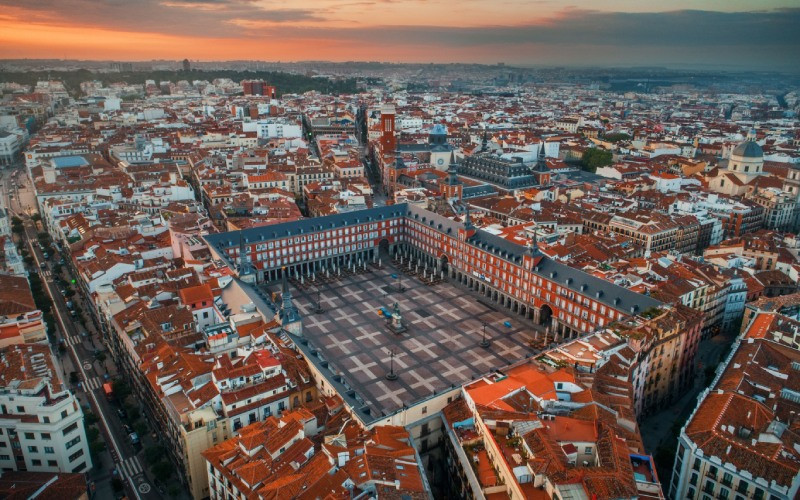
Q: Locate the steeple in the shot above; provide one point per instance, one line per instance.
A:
(533, 249)
(452, 170)
(467, 220)
(541, 162)
(485, 142)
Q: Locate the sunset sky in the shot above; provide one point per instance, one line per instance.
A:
(728, 33)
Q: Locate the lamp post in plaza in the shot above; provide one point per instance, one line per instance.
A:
(391, 375)
(485, 342)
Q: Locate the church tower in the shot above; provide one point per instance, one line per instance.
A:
(452, 188)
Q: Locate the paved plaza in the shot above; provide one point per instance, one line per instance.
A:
(439, 349)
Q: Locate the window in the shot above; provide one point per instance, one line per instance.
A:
(727, 479)
(424, 410)
(33, 449)
(588, 449)
(49, 450)
(758, 494)
(73, 442)
(693, 479)
(46, 436)
(70, 428)
(36, 462)
(29, 435)
(75, 455)
(64, 414)
(52, 463)
(742, 486)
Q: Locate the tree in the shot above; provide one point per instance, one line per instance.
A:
(36, 217)
(594, 158)
(617, 137)
(90, 418)
(121, 388)
(162, 470)
(140, 427)
(154, 454)
(117, 484)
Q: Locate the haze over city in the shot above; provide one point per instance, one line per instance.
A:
(733, 34)
(399, 249)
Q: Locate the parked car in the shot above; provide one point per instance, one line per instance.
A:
(122, 413)
(134, 438)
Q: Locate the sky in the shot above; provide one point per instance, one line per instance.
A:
(733, 34)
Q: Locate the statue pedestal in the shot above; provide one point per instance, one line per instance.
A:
(396, 324)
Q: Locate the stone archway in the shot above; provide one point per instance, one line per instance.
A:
(383, 247)
(545, 313)
(443, 261)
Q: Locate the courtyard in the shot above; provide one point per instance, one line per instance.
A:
(439, 349)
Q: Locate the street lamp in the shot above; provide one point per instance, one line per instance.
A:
(391, 375)
(485, 342)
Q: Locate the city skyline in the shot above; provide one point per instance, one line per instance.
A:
(719, 34)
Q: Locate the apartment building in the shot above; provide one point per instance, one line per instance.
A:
(41, 429)
(740, 441)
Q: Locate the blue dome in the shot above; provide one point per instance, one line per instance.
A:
(439, 129)
(748, 149)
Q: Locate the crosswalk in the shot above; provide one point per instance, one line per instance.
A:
(73, 340)
(92, 384)
(131, 467)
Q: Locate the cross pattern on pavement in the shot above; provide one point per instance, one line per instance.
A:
(440, 348)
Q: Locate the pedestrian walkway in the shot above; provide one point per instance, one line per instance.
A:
(74, 340)
(93, 384)
(131, 467)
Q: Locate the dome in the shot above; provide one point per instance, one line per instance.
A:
(748, 149)
(439, 129)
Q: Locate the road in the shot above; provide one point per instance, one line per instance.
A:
(81, 346)
(656, 429)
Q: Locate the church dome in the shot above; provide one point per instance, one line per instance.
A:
(748, 149)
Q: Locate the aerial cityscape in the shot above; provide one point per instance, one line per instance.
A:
(399, 250)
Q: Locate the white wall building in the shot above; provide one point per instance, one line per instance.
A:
(41, 429)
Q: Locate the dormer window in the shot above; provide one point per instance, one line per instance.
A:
(166, 326)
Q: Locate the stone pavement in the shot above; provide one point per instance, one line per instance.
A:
(439, 350)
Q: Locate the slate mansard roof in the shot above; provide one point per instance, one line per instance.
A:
(607, 293)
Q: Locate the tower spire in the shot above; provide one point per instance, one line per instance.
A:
(534, 248)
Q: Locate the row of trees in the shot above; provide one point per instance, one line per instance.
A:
(287, 83)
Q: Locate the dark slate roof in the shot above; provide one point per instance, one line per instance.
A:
(304, 226)
(611, 295)
(424, 147)
(476, 191)
(748, 149)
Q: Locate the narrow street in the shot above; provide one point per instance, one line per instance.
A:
(78, 351)
(657, 429)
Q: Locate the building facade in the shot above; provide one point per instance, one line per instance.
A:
(516, 277)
